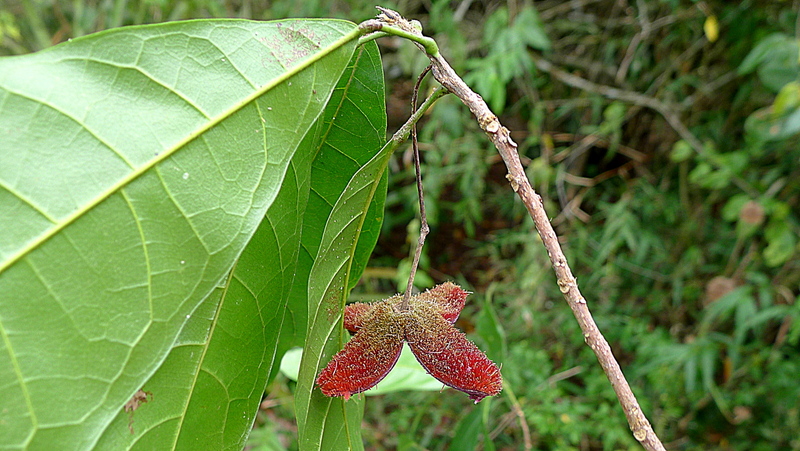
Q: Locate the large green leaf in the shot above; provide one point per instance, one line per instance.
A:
(228, 367)
(215, 375)
(135, 165)
(346, 159)
(354, 128)
(331, 423)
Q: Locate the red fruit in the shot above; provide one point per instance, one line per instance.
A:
(354, 315)
(448, 356)
(448, 298)
(367, 358)
(380, 329)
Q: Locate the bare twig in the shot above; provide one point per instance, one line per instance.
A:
(642, 100)
(392, 22)
(423, 219)
(625, 96)
(644, 23)
(563, 8)
(516, 410)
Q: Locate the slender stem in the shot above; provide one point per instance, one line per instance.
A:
(516, 407)
(404, 131)
(423, 219)
(393, 23)
(371, 37)
(507, 148)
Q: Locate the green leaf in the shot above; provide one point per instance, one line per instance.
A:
(787, 100)
(724, 307)
(468, 430)
(776, 60)
(531, 29)
(343, 218)
(137, 163)
(779, 121)
(681, 151)
(332, 423)
(265, 438)
(760, 53)
(490, 329)
(243, 352)
(230, 365)
(407, 375)
(782, 243)
(354, 129)
(732, 209)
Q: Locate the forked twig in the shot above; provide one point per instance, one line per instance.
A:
(665, 110)
(423, 219)
(393, 23)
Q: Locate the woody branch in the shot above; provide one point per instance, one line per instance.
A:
(390, 22)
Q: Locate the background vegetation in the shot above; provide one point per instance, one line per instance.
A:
(662, 135)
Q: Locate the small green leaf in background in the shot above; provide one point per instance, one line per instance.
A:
(468, 430)
(775, 59)
(472, 430)
(490, 329)
(265, 438)
(135, 166)
(681, 151)
(782, 243)
(779, 121)
(509, 40)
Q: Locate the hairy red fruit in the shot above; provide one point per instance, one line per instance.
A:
(367, 358)
(448, 356)
(380, 329)
(448, 299)
(354, 315)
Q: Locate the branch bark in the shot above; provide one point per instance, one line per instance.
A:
(393, 23)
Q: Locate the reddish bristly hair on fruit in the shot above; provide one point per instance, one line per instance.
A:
(427, 326)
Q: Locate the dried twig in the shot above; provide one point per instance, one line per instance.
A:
(641, 100)
(423, 219)
(644, 23)
(391, 22)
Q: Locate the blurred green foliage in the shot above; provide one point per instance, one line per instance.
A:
(684, 241)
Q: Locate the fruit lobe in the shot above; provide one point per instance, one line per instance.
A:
(367, 358)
